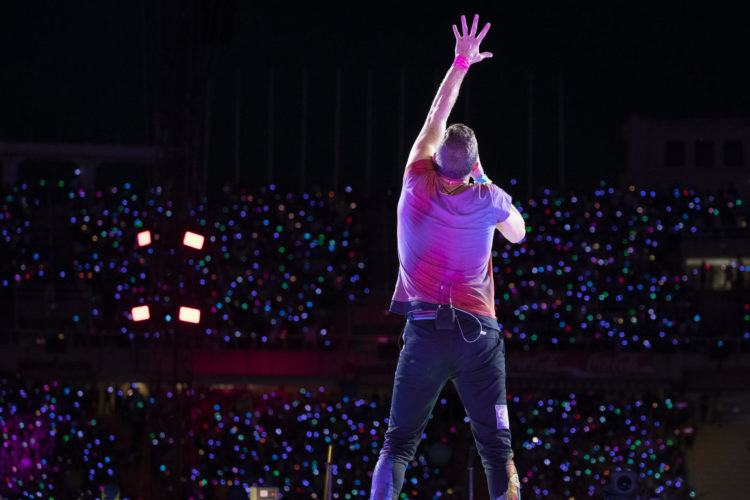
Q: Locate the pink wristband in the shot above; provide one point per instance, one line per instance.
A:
(462, 63)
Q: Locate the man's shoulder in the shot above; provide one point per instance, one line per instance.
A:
(498, 193)
(421, 166)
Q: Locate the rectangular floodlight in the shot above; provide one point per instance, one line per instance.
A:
(261, 492)
(144, 238)
(140, 313)
(193, 240)
(190, 315)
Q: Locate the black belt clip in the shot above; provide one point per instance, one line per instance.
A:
(445, 317)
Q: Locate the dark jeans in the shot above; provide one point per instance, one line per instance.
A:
(430, 358)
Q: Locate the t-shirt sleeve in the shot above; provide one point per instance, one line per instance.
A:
(501, 203)
(417, 169)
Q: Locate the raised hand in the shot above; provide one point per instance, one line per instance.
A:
(467, 44)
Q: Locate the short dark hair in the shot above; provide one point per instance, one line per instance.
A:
(458, 152)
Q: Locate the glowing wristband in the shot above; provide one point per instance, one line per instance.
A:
(483, 179)
(462, 63)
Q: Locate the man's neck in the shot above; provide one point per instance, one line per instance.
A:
(452, 186)
(454, 182)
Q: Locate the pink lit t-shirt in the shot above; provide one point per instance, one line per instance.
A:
(445, 241)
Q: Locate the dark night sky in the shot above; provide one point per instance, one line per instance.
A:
(94, 72)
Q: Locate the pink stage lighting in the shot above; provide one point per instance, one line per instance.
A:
(193, 240)
(140, 313)
(144, 238)
(190, 315)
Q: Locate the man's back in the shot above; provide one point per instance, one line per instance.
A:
(444, 241)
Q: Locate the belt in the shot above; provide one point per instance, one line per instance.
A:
(424, 314)
(421, 314)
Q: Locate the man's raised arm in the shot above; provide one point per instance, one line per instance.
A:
(514, 227)
(467, 53)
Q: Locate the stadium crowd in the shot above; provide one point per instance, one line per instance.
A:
(68, 440)
(272, 268)
(597, 269)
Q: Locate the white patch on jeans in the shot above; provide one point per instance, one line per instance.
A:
(501, 415)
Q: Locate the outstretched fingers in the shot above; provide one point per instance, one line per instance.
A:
(483, 32)
(473, 32)
(467, 40)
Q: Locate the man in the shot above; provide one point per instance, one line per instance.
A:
(445, 289)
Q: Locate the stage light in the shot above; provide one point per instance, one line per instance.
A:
(144, 238)
(193, 240)
(140, 313)
(261, 492)
(190, 315)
